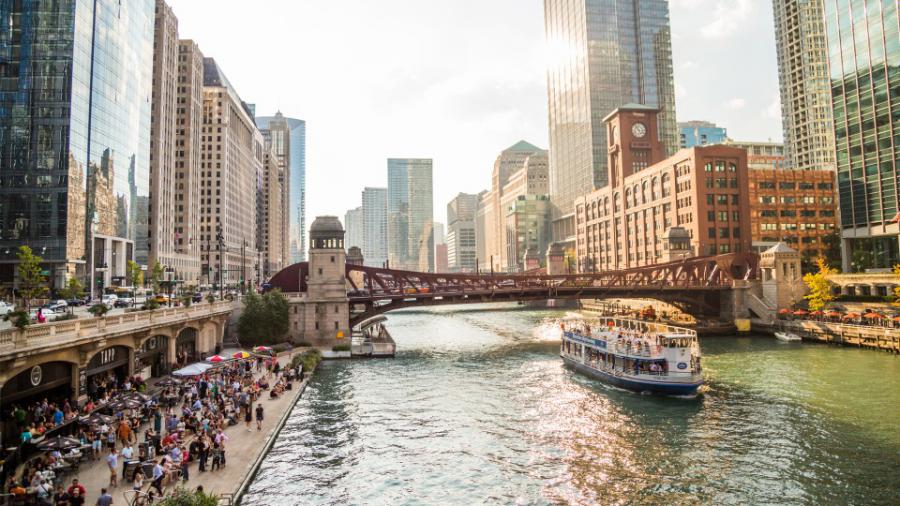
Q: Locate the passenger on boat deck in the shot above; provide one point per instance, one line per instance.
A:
(654, 367)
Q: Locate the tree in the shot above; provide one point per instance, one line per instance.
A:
(264, 319)
(184, 497)
(897, 288)
(32, 283)
(819, 286)
(72, 290)
(137, 279)
(156, 275)
(98, 310)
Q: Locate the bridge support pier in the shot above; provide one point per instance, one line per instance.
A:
(734, 302)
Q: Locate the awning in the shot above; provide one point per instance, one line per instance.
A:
(193, 370)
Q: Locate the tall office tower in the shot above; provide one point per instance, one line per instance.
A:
(410, 214)
(700, 133)
(271, 233)
(289, 137)
(804, 84)
(605, 54)
(168, 246)
(189, 118)
(497, 201)
(461, 232)
(353, 228)
(864, 57)
(375, 235)
(233, 168)
(75, 83)
(439, 237)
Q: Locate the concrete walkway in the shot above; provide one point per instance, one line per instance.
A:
(242, 450)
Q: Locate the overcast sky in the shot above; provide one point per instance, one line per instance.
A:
(457, 81)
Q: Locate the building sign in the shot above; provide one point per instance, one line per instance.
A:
(36, 375)
(107, 359)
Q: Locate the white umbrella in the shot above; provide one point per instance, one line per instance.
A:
(193, 369)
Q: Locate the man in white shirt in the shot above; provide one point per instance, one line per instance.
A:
(127, 456)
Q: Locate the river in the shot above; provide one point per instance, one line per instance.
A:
(477, 408)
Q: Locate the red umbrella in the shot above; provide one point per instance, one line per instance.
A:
(896, 318)
(241, 355)
(816, 313)
(800, 312)
(850, 316)
(216, 358)
(784, 311)
(873, 315)
(833, 314)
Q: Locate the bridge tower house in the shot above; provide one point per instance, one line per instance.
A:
(327, 318)
(782, 281)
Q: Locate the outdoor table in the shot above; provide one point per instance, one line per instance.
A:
(130, 466)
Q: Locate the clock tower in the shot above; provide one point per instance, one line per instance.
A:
(634, 144)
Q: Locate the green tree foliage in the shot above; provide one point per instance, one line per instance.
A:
(136, 274)
(819, 286)
(73, 290)
(156, 275)
(184, 497)
(897, 288)
(264, 320)
(32, 284)
(98, 310)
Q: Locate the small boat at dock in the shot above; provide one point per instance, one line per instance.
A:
(634, 354)
(787, 336)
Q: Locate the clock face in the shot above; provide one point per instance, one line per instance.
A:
(639, 130)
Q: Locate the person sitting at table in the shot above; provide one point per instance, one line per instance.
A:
(60, 497)
(96, 444)
(26, 435)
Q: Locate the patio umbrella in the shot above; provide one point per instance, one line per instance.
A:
(873, 315)
(816, 313)
(833, 314)
(800, 312)
(59, 443)
(241, 355)
(216, 358)
(896, 318)
(784, 311)
(262, 349)
(850, 316)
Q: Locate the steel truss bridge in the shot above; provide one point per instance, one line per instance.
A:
(695, 285)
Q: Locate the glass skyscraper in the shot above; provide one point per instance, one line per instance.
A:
(864, 62)
(604, 54)
(296, 198)
(75, 92)
(410, 214)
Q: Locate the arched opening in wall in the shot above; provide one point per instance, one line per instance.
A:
(50, 380)
(106, 368)
(151, 360)
(186, 347)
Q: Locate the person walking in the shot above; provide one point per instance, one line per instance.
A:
(158, 475)
(248, 415)
(112, 461)
(259, 416)
(105, 499)
(203, 452)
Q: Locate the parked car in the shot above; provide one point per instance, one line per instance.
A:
(75, 302)
(109, 299)
(122, 303)
(161, 299)
(197, 297)
(6, 308)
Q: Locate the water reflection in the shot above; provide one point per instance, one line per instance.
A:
(478, 409)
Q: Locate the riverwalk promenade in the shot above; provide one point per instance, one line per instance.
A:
(242, 451)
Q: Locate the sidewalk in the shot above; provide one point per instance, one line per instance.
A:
(241, 452)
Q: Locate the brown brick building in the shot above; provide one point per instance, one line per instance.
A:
(794, 206)
(700, 189)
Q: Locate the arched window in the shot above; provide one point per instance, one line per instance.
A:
(644, 186)
(666, 182)
(605, 206)
(627, 198)
(634, 195)
(616, 202)
(654, 188)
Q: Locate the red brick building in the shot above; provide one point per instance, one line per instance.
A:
(701, 189)
(794, 206)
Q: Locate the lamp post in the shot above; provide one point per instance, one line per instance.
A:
(221, 239)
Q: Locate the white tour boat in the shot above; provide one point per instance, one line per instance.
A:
(634, 354)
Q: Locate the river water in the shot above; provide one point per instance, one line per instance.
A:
(477, 408)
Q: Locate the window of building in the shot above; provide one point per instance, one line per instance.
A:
(826, 214)
(710, 216)
(723, 233)
(723, 215)
(732, 167)
(720, 166)
(766, 185)
(827, 200)
(806, 186)
(712, 232)
(724, 248)
(787, 185)
(826, 186)
(708, 167)
(722, 199)
(767, 199)
(736, 232)
(788, 213)
(768, 213)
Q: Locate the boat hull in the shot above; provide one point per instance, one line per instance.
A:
(656, 387)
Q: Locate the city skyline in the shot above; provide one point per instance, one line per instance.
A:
(485, 102)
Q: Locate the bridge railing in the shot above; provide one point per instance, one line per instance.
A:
(58, 333)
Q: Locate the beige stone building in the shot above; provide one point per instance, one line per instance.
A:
(272, 236)
(189, 122)
(520, 170)
(231, 177)
(174, 153)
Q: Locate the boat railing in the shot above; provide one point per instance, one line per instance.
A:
(619, 371)
(643, 326)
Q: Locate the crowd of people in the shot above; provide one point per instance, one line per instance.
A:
(184, 423)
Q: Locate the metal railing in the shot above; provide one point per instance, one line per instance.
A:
(60, 333)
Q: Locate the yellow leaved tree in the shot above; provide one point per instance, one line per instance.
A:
(819, 286)
(897, 288)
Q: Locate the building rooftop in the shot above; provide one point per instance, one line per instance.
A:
(780, 248)
(630, 107)
(326, 224)
(523, 146)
